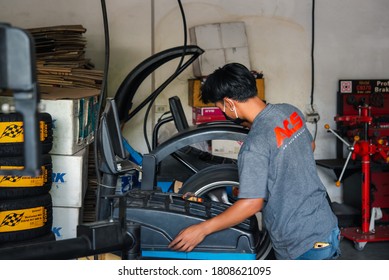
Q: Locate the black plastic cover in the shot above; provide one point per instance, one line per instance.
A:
(163, 215)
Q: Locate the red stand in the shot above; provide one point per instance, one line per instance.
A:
(363, 234)
(365, 149)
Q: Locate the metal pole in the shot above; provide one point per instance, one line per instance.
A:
(365, 174)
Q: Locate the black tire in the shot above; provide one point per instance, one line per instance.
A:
(12, 137)
(195, 157)
(214, 182)
(206, 156)
(25, 219)
(217, 183)
(22, 186)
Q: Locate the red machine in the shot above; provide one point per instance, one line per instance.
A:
(369, 130)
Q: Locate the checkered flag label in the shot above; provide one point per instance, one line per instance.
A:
(11, 132)
(23, 181)
(9, 179)
(12, 219)
(23, 219)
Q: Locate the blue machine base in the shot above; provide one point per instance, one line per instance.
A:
(197, 255)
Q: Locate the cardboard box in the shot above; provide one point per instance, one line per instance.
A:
(223, 43)
(226, 148)
(206, 36)
(208, 62)
(206, 119)
(65, 222)
(206, 114)
(211, 60)
(207, 111)
(194, 89)
(74, 113)
(70, 175)
(233, 34)
(240, 55)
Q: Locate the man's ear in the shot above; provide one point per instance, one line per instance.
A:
(229, 103)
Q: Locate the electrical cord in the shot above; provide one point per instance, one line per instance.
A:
(312, 53)
(185, 34)
(176, 71)
(313, 64)
(163, 115)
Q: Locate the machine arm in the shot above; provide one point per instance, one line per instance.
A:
(18, 74)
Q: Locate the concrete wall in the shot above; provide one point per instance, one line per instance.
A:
(351, 42)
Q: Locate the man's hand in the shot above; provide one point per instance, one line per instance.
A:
(188, 238)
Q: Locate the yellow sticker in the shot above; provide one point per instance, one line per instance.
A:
(22, 219)
(13, 132)
(43, 131)
(10, 167)
(9, 181)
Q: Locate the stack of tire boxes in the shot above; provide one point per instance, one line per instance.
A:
(223, 43)
(74, 112)
(25, 201)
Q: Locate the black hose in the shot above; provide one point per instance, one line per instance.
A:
(312, 53)
(313, 64)
(102, 98)
(177, 70)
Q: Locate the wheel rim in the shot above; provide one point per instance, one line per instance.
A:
(219, 191)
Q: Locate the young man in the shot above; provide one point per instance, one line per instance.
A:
(277, 173)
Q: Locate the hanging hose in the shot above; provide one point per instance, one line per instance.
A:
(102, 99)
(174, 74)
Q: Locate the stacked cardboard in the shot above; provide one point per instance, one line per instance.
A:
(61, 61)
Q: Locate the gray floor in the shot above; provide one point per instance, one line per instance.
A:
(371, 251)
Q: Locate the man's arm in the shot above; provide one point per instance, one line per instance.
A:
(190, 237)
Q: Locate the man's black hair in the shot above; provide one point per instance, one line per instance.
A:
(233, 80)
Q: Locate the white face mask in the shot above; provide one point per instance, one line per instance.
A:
(237, 120)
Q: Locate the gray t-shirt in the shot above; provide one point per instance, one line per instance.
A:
(276, 163)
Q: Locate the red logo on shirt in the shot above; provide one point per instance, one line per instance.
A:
(291, 125)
